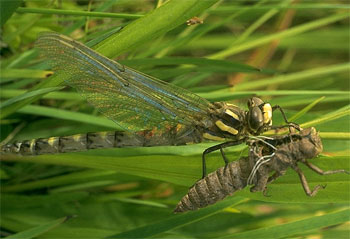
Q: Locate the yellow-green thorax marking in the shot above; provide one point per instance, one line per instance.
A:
(231, 122)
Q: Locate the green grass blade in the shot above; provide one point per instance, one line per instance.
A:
(7, 9)
(218, 64)
(294, 77)
(27, 95)
(335, 135)
(10, 93)
(18, 201)
(179, 220)
(326, 118)
(68, 115)
(299, 6)
(306, 109)
(293, 228)
(133, 201)
(78, 13)
(24, 73)
(230, 94)
(76, 177)
(158, 22)
(195, 35)
(280, 35)
(37, 231)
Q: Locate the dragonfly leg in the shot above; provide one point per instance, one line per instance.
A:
(321, 172)
(224, 156)
(289, 124)
(218, 147)
(305, 184)
(225, 159)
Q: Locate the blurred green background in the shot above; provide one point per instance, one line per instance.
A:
(291, 53)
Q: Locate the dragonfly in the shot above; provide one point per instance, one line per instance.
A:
(151, 111)
(268, 159)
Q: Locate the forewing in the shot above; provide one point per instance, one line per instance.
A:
(130, 98)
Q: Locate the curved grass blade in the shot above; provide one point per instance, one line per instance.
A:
(29, 94)
(326, 118)
(7, 9)
(306, 109)
(39, 230)
(297, 227)
(178, 220)
(68, 115)
(78, 13)
(217, 64)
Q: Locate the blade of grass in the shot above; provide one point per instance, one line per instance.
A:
(9, 93)
(78, 13)
(133, 201)
(259, 22)
(178, 221)
(37, 231)
(7, 9)
(306, 100)
(306, 109)
(293, 77)
(28, 95)
(83, 186)
(280, 35)
(158, 22)
(75, 177)
(228, 94)
(335, 135)
(193, 36)
(229, 65)
(22, 59)
(68, 115)
(300, 6)
(24, 73)
(103, 7)
(325, 119)
(18, 201)
(296, 227)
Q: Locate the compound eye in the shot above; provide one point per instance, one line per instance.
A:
(256, 118)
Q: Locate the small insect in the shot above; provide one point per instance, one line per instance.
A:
(269, 155)
(194, 21)
(151, 111)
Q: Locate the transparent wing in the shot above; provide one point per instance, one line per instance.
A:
(130, 98)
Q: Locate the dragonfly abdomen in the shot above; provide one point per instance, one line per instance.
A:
(116, 139)
(63, 144)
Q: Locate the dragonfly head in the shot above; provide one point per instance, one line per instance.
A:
(259, 115)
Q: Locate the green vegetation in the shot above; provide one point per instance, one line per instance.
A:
(291, 53)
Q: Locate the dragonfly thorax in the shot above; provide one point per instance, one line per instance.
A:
(231, 122)
(227, 122)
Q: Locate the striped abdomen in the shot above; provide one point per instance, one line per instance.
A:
(82, 142)
(216, 186)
